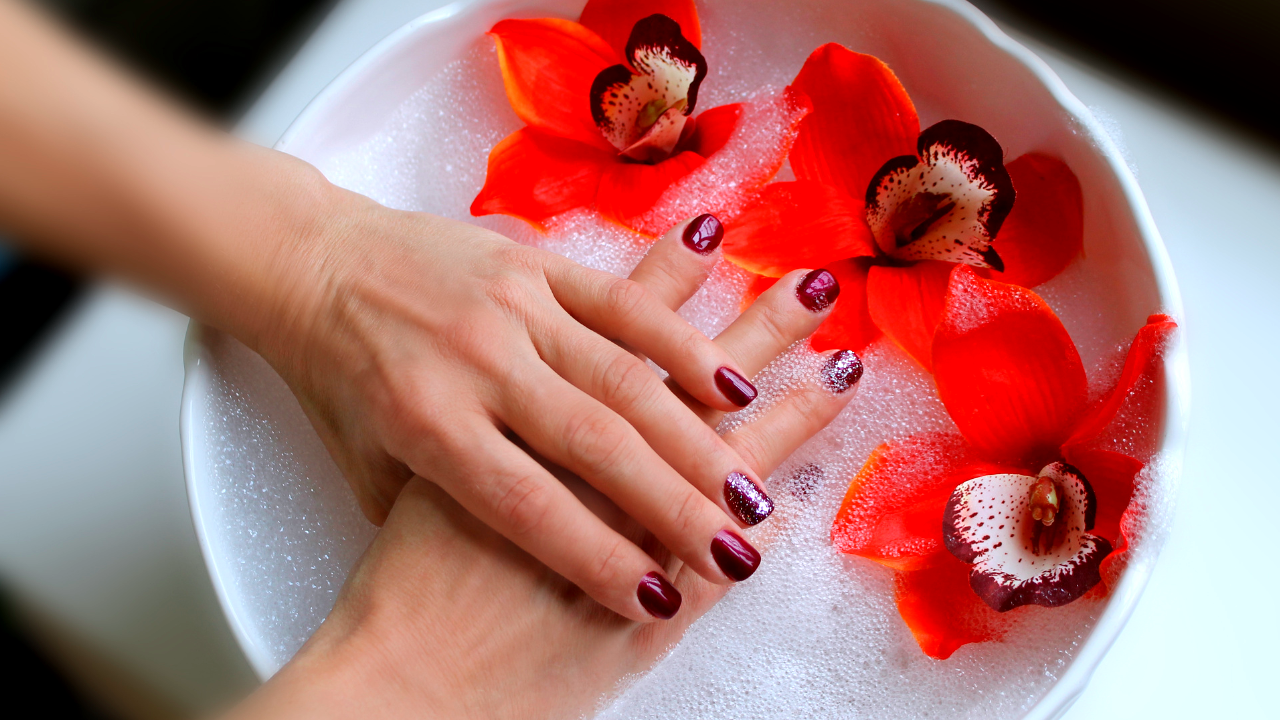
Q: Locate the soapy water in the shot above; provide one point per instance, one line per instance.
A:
(814, 634)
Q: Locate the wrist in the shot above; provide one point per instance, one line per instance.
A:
(349, 671)
(276, 253)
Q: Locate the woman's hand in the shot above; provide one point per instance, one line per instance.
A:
(415, 344)
(445, 618)
(433, 348)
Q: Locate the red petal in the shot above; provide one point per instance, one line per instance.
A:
(759, 284)
(534, 176)
(629, 190)
(797, 225)
(1129, 416)
(712, 129)
(1045, 230)
(1112, 476)
(906, 302)
(849, 326)
(613, 20)
(942, 611)
(548, 66)
(862, 117)
(892, 512)
(1006, 369)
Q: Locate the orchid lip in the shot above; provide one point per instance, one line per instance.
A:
(642, 109)
(1024, 551)
(945, 203)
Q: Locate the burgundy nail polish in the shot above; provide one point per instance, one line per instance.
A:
(736, 388)
(842, 371)
(817, 290)
(703, 234)
(735, 556)
(746, 499)
(658, 596)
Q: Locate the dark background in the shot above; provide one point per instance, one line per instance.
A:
(218, 54)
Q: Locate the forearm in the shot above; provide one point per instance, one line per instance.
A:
(99, 173)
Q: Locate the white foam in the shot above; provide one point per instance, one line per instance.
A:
(814, 634)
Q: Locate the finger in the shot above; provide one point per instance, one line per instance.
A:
(623, 310)
(765, 443)
(680, 261)
(509, 491)
(783, 315)
(768, 440)
(627, 386)
(595, 443)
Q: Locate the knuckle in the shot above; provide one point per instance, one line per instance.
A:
(520, 258)
(507, 291)
(687, 514)
(692, 343)
(624, 382)
(753, 447)
(523, 502)
(594, 439)
(626, 299)
(610, 565)
(773, 322)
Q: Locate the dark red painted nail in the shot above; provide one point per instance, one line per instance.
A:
(703, 234)
(842, 371)
(817, 290)
(738, 389)
(735, 556)
(746, 499)
(659, 596)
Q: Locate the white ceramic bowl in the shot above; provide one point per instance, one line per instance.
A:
(277, 524)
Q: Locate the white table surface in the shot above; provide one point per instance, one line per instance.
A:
(1202, 642)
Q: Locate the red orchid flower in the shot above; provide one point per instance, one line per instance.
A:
(890, 210)
(608, 105)
(1030, 503)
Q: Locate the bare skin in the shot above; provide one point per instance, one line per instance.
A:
(419, 347)
(443, 618)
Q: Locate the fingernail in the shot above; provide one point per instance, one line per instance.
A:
(842, 371)
(817, 290)
(736, 388)
(746, 499)
(703, 234)
(658, 596)
(735, 556)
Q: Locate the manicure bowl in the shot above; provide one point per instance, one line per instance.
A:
(279, 527)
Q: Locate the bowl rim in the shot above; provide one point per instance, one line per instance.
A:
(1124, 596)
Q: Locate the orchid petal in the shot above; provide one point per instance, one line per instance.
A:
(849, 326)
(1112, 476)
(892, 511)
(1127, 416)
(1006, 369)
(643, 114)
(1045, 229)
(759, 283)
(712, 129)
(906, 302)
(613, 20)
(946, 206)
(629, 190)
(1018, 559)
(797, 225)
(942, 611)
(862, 116)
(533, 175)
(548, 67)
